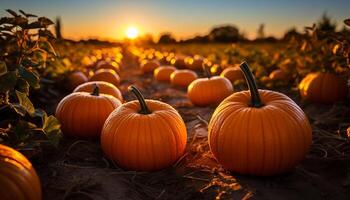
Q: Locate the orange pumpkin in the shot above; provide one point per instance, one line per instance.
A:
(182, 77)
(196, 62)
(154, 130)
(233, 74)
(207, 91)
(279, 75)
(75, 79)
(82, 114)
(259, 132)
(163, 73)
(18, 179)
(179, 62)
(149, 65)
(323, 88)
(106, 65)
(107, 75)
(105, 88)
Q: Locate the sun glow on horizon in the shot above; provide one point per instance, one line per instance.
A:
(132, 32)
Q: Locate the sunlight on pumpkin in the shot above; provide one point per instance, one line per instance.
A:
(132, 32)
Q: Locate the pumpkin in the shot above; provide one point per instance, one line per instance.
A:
(258, 132)
(104, 87)
(163, 73)
(182, 77)
(233, 74)
(18, 179)
(144, 135)
(83, 114)
(149, 65)
(107, 65)
(279, 75)
(107, 75)
(179, 62)
(210, 90)
(75, 79)
(196, 62)
(323, 88)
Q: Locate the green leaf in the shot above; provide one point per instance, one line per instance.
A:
(8, 81)
(24, 104)
(22, 86)
(52, 129)
(23, 130)
(30, 76)
(3, 68)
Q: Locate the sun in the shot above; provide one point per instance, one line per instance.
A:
(132, 32)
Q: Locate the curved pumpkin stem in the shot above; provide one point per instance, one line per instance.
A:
(144, 109)
(205, 69)
(254, 93)
(96, 91)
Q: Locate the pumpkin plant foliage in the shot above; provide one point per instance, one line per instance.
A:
(25, 50)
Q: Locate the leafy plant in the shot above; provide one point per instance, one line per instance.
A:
(25, 48)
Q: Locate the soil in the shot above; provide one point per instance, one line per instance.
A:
(77, 169)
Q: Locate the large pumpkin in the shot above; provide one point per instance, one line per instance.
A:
(211, 90)
(260, 132)
(163, 73)
(182, 77)
(279, 75)
(105, 88)
(144, 135)
(149, 65)
(83, 114)
(323, 88)
(233, 74)
(18, 179)
(107, 75)
(75, 79)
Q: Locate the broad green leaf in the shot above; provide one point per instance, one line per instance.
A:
(52, 129)
(25, 102)
(23, 130)
(30, 76)
(8, 81)
(3, 68)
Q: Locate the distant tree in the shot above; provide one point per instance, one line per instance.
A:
(261, 32)
(325, 23)
(58, 28)
(224, 34)
(291, 33)
(146, 39)
(197, 39)
(166, 38)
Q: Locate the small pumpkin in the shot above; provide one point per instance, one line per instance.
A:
(210, 90)
(75, 79)
(179, 61)
(163, 73)
(83, 114)
(18, 179)
(149, 65)
(233, 74)
(107, 65)
(107, 75)
(144, 135)
(104, 87)
(279, 75)
(323, 88)
(196, 62)
(182, 77)
(258, 132)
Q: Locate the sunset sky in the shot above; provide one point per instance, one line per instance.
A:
(82, 19)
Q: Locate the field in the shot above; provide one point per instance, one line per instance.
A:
(36, 74)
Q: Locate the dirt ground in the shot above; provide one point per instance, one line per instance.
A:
(79, 170)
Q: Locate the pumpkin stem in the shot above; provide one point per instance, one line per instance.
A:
(96, 91)
(254, 93)
(205, 69)
(144, 109)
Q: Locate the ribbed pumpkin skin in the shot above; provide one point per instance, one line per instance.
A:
(83, 115)
(149, 65)
(233, 74)
(323, 88)
(279, 75)
(107, 65)
(75, 79)
(163, 73)
(259, 141)
(18, 179)
(144, 142)
(182, 77)
(105, 88)
(204, 91)
(107, 75)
